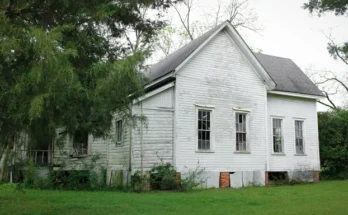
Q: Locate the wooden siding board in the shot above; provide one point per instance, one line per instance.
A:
(157, 131)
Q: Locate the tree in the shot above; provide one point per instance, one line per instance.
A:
(65, 64)
(237, 12)
(337, 51)
(333, 136)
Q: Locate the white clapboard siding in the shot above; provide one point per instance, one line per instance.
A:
(220, 76)
(289, 108)
(119, 154)
(157, 131)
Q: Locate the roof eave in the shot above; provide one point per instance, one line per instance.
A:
(300, 95)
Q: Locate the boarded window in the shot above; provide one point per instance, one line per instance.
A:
(277, 136)
(81, 142)
(119, 132)
(241, 132)
(204, 129)
(299, 140)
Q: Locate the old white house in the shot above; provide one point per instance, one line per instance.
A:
(216, 104)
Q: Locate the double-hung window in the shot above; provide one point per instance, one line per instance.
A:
(277, 135)
(299, 139)
(119, 132)
(241, 132)
(204, 129)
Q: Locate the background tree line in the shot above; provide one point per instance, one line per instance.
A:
(333, 124)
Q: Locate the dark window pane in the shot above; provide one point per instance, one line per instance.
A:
(204, 129)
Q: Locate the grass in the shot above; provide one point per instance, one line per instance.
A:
(323, 198)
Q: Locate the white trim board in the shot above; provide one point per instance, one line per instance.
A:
(295, 95)
(154, 92)
(170, 74)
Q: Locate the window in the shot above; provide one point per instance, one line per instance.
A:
(80, 143)
(204, 129)
(241, 132)
(299, 140)
(119, 133)
(277, 136)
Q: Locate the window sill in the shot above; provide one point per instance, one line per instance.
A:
(300, 154)
(204, 151)
(242, 152)
(78, 156)
(278, 154)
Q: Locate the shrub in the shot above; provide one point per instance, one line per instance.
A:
(192, 179)
(30, 175)
(139, 181)
(162, 177)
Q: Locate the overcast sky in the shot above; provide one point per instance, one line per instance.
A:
(290, 31)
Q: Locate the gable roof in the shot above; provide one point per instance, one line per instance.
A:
(287, 76)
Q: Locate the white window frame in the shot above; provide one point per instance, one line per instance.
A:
(210, 108)
(119, 142)
(282, 132)
(247, 118)
(303, 135)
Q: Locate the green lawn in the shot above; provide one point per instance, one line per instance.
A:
(323, 198)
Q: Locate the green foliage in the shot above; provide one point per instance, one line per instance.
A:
(162, 177)
(139, 181)
(65, 64)
(333, 138)
(338, 6)
(30, 174)
(92, 177)
(192, 179)
(32, 178)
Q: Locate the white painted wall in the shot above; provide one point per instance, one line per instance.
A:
(119, 154)
(220, 76)
(290, 108)
(157, 131)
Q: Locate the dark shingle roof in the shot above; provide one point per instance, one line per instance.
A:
(287, 75)
(284, 72)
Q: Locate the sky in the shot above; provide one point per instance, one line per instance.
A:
(292, 32)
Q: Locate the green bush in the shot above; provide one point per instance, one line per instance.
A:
(139, 181)
(192, 179)
(30, 175)
(80, 179)
(333, 138)
(90, 179)
(162, 177)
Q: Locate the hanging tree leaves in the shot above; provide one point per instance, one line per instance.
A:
(65, 63)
